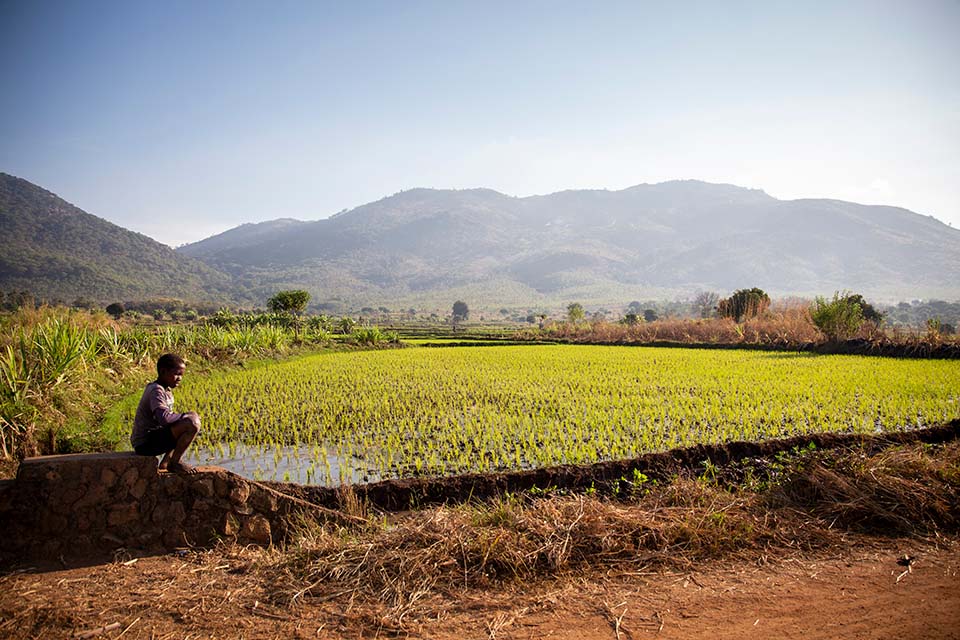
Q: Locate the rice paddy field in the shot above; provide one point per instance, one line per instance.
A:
(367, 415)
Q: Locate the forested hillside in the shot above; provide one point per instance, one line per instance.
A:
(57, 251)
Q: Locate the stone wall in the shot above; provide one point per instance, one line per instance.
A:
(77, 504)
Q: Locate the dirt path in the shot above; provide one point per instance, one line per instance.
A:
(851, 593)
(847, 597)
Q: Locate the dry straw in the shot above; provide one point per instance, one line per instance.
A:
(396, 571)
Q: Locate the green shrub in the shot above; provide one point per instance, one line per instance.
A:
(839, 319)
(368, 335)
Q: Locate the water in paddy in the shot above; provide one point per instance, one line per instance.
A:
(283, 464)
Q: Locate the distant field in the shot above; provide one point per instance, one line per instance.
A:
(450, 341)
(365, 415)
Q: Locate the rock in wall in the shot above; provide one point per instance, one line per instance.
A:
(77, 504)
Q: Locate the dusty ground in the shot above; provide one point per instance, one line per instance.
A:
(851, 592)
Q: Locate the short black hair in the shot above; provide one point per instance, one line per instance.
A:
(168, 362)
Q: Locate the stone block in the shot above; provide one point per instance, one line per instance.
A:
(230, 525)
(129, 478)
(256, 529)
(148, 538)
(48, 549)
(176, 513)
(262, 500)
(67, 498)
(95, 496)
(95, 518)
(173, 537)
(159, 515)
(82, 521)
(53, 523)
(139, 488)
(123, 514)
(79, 545)
(173, 485)
(107, 477)
(112, 540)
(203, 487)
(243, 509)
(239, 492)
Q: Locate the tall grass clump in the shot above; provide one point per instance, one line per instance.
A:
(373, 336)
(59, 366)
(43, 356)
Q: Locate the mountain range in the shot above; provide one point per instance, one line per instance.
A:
(428, 247)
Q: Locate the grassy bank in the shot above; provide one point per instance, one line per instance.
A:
(61, 369)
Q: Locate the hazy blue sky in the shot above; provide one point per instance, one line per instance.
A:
(182, 119)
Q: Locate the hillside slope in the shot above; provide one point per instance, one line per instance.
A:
(58, 251)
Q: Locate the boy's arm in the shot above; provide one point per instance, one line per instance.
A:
(160, 409)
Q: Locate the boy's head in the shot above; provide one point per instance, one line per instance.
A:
(170, 368)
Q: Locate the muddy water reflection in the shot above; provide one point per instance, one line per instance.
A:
(297, 464)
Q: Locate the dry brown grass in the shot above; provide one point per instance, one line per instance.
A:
(393, 571)
(902, 490)
(786, 325)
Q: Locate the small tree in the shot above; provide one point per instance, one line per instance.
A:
(460, 313)
(115, 309)
(744, 304)
(575, 312)
(650, 315)
(705, 303)
(460, 310)
(631, 319)
(293, 301)
(839, 319)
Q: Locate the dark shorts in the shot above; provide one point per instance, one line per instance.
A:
(159, 441)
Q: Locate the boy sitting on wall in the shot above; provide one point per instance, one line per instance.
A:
(157, 429)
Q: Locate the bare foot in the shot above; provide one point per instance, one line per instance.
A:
(164, 463)
(180, 467)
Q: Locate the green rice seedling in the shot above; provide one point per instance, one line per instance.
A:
(391, 413)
